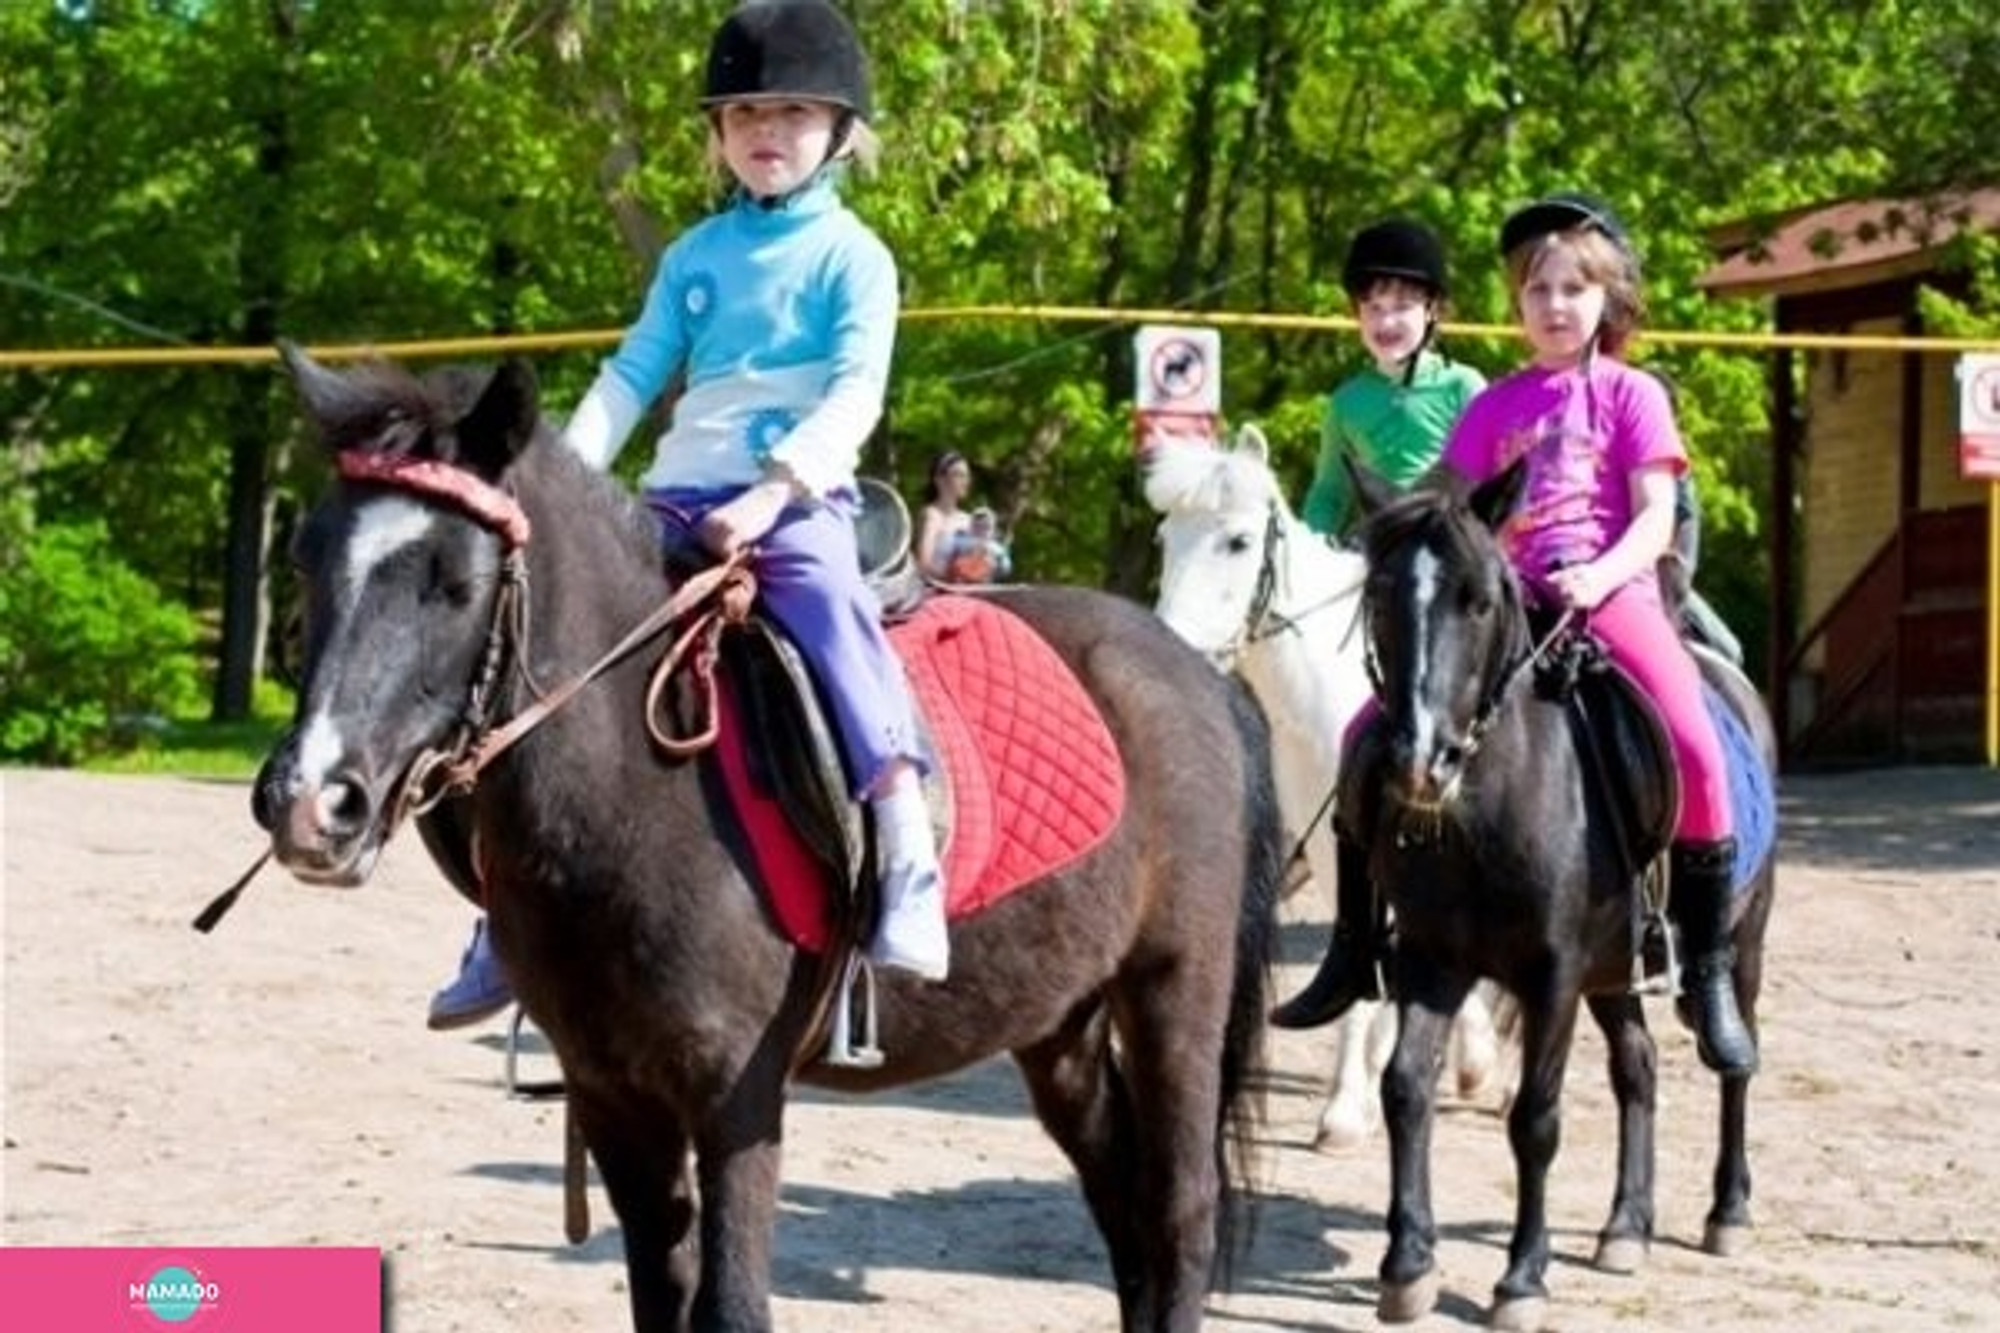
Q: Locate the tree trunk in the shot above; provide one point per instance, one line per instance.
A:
(261, 282)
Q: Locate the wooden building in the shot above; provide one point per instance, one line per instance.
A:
(1878, 545)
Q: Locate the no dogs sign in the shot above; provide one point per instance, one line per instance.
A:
(1179, 369)
(1178, 394)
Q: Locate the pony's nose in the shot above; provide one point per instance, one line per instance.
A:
(341, 808)
(1426, 777)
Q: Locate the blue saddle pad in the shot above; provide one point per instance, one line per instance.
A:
(1753, 794)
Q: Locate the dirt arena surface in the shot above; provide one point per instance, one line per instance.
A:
(273, 1084)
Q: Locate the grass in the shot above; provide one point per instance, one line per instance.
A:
(198, 749)
(194, 747)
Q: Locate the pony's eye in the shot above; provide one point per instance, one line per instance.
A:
(452, 582)
(1237, 544)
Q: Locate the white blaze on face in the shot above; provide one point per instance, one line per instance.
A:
(1424, 573)
(381, 529)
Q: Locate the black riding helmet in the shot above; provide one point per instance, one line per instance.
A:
(784, 50)
(1396, 248)
(1560, 212)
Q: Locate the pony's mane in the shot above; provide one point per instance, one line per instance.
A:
(601, 499)
(383, 408)
(1437, 518)
(386, 409)
(1208, 479)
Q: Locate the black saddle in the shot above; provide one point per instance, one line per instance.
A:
(790, 747)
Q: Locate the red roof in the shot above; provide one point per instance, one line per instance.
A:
(1851, 244)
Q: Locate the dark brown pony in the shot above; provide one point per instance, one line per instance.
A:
(1128, 987)
(1507, 855)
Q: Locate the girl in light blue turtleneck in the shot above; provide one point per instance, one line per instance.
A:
(778, 315)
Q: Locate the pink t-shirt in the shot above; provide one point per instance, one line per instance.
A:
(1583, 433)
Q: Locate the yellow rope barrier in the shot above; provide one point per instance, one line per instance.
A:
(111, 357)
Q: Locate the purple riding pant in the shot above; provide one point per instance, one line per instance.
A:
(809, 579)
(1634, 627)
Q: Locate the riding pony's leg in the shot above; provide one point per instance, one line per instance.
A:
(1473, 1051)
(1352, 1105)
(737, 1161)
(1082, 1101)
(1409, 1106)
(1634, 1064)
(1727, 1230)
(643, 1162)
(1174, 1070)
(1534, 1130)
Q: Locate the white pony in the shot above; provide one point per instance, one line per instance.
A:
(1249, 584)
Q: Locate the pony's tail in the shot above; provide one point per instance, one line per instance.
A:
(1243, 1050)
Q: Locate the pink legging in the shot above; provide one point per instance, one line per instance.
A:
(1636, 632)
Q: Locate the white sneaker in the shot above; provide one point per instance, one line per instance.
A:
(911, 936)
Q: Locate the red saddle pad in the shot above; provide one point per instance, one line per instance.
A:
(1036, 780)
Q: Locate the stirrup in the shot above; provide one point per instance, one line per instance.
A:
(523, 1088)
(1656, 963)
(841, 1049)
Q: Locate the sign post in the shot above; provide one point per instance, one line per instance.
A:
(1178, 389)
(1979, 460)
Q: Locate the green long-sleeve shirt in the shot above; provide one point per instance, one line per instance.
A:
(1396, 429)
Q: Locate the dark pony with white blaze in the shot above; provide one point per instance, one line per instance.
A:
(1262, 595)
(463, 567)
(1504, 857)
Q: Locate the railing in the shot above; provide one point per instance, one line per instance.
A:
(1900, 651)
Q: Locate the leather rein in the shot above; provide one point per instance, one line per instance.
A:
(722, 592)
(438, 774)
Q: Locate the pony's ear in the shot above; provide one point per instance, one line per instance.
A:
(1493, 499)
(1250, 440)
(500, 424)
(329, 398)
(1371, 492)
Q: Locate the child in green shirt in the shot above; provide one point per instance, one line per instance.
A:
(1393, 416)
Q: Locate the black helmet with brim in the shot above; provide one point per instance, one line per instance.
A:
(787, 50)
(1562, 211)
(1396, 248)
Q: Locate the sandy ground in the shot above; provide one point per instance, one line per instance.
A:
(273, 1084)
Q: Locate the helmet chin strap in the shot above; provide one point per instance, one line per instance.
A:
(1417, 353)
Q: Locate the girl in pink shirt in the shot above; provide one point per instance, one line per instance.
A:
(1596, 513)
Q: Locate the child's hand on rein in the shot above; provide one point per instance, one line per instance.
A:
(1580, 586)
(739, 523)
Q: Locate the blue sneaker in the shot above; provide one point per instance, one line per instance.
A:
(479, 991)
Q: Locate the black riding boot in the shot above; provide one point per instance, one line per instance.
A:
(1348, 972)
(1700, 902)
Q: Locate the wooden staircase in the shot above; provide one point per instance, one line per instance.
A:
(1898, 661)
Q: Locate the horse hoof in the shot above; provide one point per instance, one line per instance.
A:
(1476, 1080)
(1522, 1314)
(1407, 1302)
(1339, 1134)
(1623, 1255)
(1725, 1240)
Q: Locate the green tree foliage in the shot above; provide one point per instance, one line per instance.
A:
(90, 653)
(224, 173)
